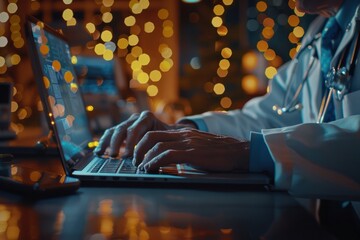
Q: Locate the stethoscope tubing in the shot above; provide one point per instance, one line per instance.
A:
(294, 103)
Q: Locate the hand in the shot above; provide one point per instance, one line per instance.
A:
(202, 150)
(130, 131)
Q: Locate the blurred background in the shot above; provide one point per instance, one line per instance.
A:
(173, 57)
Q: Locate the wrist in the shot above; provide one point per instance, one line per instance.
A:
(185, 124)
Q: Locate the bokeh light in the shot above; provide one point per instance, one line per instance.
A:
(219, 88)
(250, 84)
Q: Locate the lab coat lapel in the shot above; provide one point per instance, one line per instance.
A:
(348, 36)
(312, 93)
(317, 78)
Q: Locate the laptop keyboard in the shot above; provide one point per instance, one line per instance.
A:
(113, 165)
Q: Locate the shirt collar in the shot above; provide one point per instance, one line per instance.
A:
(346, 13)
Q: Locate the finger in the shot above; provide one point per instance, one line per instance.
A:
(104, 141)
(117, 139)
(152, 139)
(135, 132)
(162, 147)
(165, 158)
(212, 157)
(119, 135)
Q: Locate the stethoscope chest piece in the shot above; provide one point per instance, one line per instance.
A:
(339, 80)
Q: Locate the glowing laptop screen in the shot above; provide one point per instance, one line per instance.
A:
(63, 96)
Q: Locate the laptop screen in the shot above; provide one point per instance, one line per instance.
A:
(60, 90)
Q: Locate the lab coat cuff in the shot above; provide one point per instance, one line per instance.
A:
(260, 158)
(197, 120)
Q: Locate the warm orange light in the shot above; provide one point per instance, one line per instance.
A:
(292, 52)
(261, 6)
(228, 2)
(298, 13)
(143, 77)
(269, 54)
(222, 31)
(144, 59)
(226, 52)
(15, 59)
(74, 87)
(90, 27)
(166, 52)
(292, 38)
(122, 43)
(269, 22)
(136, 51)
(224, 64)
(218, 10)
(130, 21)
(106, 36)
(99, 49)
(222, 73)
(56, 65)
(250, 84)
(155, 75)
(293, 20)
(250, 61)
(108, 55)
(225, 102)
(67, 14)
(133, 40)
(268, 32)
(291, 4)
(168, 32)
(149, 27)
(298, 32)
(107, 17)
(163, 14)
(74, 60)
(2, 61)
(217, 21)
(166, 64)
(89, 108)
(152, 90)
(219, 88)
(270, 72)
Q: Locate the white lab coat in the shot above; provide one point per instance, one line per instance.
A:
(311, 159)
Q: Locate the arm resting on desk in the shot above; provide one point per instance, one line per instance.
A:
(318, 160)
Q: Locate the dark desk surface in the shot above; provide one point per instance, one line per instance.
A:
(156, 213)
(143, 213)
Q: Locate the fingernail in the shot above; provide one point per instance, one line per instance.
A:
(134, 158)
(146, 167)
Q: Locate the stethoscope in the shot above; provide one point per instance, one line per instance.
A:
(337, 80)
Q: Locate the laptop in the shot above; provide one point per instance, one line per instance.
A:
(67, 117)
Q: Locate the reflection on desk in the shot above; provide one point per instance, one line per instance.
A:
(139, 213)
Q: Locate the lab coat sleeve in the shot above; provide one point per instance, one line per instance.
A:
(317, 160)
(257, 114)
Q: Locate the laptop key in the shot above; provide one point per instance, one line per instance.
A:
(127, 166)
(111, 166)
(98, 165)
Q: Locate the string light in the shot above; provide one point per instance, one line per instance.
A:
(269, 24)
(224, 65)
(149, 69)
